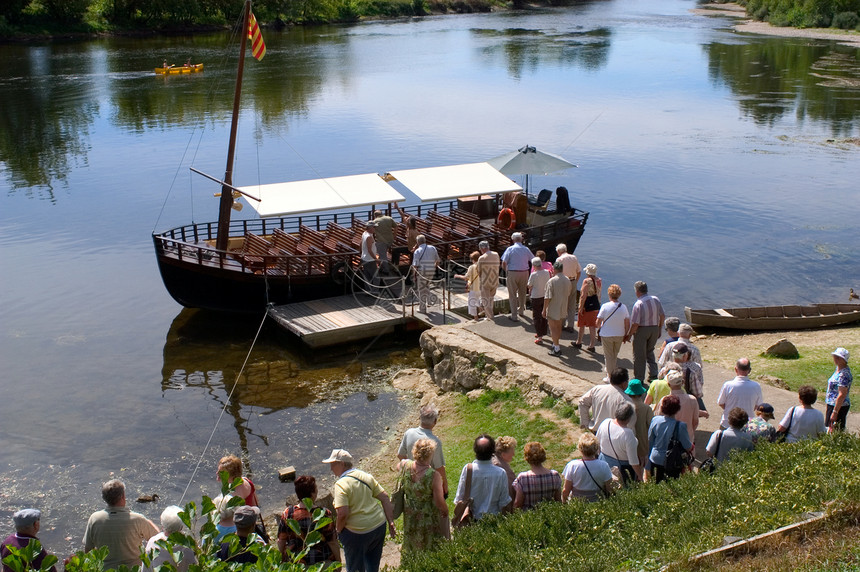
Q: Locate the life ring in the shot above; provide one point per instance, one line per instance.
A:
(507, 220)
(338, 273)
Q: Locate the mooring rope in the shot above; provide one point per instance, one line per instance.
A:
(223, 409)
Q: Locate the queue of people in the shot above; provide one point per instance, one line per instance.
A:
(633, 431)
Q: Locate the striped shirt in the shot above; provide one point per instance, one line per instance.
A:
(647, 311)
(537, 488)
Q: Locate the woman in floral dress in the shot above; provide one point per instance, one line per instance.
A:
(424, 508)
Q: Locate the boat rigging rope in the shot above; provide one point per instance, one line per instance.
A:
(223, 409)
(581, 133)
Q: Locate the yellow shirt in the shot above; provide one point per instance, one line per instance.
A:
(358, 490)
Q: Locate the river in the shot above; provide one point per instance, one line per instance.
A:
(721, 168)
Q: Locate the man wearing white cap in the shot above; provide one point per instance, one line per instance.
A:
(360, 518)
(27, 524)
(838, 386)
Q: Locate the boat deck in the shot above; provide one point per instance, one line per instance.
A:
(341, 319)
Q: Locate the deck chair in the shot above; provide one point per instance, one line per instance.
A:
(541, 202)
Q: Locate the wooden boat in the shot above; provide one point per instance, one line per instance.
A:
(775, 317)
(306, 243)
(171, 70)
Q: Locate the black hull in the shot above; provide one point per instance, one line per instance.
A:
(200, 277)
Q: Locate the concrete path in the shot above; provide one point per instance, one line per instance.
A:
(519, 337)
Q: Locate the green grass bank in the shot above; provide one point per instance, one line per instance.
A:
(650, 525)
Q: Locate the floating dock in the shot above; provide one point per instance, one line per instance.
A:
(342, 319)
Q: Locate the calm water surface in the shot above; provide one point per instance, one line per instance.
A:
(722, 168)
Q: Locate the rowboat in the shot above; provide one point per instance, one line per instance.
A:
(775, 317)
(305, 243)
(171, 70)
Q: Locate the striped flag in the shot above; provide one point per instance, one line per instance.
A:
(258, 46)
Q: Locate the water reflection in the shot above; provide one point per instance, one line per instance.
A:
(46, 116)
(525, 51)
(206, 352)
(773, 78)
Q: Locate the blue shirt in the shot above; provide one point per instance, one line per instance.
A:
(518, 257)
(661, 432)
(840, 378)
(489, 488)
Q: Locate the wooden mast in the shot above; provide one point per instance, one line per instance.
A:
(226, 203)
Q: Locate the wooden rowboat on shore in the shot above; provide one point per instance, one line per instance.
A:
(775, 317)
(172, 70)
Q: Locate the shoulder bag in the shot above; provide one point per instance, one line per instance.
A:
(710, 464)
(463, 515)
(677, 459)
(592, 302)
(618, 305)
(399, 491)
(600, 487)
(781, 436)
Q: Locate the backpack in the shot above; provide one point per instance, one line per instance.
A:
(677, 459)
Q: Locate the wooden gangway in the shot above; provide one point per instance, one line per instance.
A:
(343, 319)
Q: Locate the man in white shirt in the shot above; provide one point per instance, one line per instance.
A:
(572, 270)
(601, 401)
(489, 484)
(739, 392)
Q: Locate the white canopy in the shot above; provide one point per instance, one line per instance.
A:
(440, 183)
(280, 199)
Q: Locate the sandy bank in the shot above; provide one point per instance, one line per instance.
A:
(749, 26)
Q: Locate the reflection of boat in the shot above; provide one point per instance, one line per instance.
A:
(307, 241)
(171, 70)
(775, 317)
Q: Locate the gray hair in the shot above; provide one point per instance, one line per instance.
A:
(558, 265)
(561, 248)
(221, 503)
(113, 491)
(517, 237)
(429, 414)
(672, 323)
(641, 287)
(484, 244)
(170, 521)
(421, 239)
(624, 412)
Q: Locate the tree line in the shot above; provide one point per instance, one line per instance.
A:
(843, 14)
(42, 17)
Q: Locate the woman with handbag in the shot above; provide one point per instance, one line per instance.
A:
(589, 306)
(587, 478)
(425, 512)
(613, 321)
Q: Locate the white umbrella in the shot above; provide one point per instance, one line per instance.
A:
(529, 161)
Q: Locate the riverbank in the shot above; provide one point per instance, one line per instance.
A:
(749, 26)
(501, 351)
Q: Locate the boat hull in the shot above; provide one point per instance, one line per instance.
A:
(174, 70)
(775, 317)
(198, 276)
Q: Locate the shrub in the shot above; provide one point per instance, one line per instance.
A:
(648, 526)
(203, 544)
(846, 20)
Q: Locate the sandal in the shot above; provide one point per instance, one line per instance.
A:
(577, 345)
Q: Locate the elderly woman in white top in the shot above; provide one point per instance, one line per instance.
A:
(618, 444)
(613, 321)
(587, 478)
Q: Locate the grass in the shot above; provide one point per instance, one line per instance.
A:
(506, 413)
(814, 367)
(651, 525)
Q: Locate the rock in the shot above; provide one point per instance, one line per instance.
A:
(475, 394)
(772, 380)
(782, 349)
(287, 474)
(460, 360)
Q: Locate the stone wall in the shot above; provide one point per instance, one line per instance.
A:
(460, 360)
